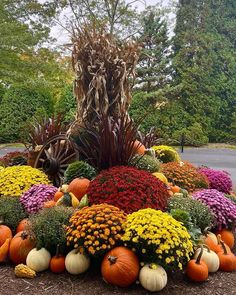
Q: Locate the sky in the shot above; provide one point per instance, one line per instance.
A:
(62, 36)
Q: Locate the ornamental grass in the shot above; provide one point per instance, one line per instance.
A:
(156, 237)
(223, 209)
(185, 175)
(16, 180)
(97, 228)
(129, 189)
(218, 179)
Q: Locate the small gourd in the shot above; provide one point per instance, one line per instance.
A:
(209, 257)
(76, 262)
(23, 271)
(197, 269)
(38, 260)
(69, 200)
(153, 277)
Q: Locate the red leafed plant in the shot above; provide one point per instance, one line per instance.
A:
(185, 175)
(129, 189)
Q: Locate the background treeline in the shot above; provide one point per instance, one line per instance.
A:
(186, 75)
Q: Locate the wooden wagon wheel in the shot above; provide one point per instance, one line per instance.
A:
(54, 157)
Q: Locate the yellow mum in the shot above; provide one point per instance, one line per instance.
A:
(162, 234)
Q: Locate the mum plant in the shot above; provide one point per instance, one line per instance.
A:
(199, 213)
(185, 175)
(11, 212)
(34, 198)
(16, 180)
(218, 179)
(129, 189)
(166, 153)
(223, 209)
(97, 228)
(48, 227)
(157, 237)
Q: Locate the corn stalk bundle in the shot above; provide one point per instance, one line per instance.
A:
(104, 70)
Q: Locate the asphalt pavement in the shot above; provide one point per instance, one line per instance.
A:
(221, 159)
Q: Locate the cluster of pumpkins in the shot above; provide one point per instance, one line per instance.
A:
(215, 254)
(119, 267)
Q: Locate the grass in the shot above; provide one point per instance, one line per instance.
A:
(11, 145)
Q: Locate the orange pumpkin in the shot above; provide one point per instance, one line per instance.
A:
(4, 250)
(175, 189)
(5, 233)
(139, 148)
(58, 195)
(219, 247)
(227, 236)
(227, 259)
(79, 187)
(197, 269)
(20, 246)
(57, 263)
(24, 223)
(211, 242)
(49, 204)
(120, 267)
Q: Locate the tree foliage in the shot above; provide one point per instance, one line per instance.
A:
(205, 61)
(153, 70)
(19, 104)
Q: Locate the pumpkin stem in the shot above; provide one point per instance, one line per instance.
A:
(152, 266)
(219, 239)
(24, 235)
(198, 260)
(58, 251)
(224, 248)
(205, 246)
(112, 259)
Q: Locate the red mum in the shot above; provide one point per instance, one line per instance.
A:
(129, 189)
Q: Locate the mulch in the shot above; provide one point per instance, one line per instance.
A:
(91, 283)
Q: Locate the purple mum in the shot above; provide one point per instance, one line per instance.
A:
(223, 209)
(218, 179)
(34, 198)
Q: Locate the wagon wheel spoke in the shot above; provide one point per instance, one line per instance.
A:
(54, 158)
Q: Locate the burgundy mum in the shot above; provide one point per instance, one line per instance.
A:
(129, 189)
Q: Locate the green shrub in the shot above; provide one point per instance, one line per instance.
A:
(11, 211)
(66, 104)
(193, 135)
(18, 105)
(200, 215)
(79, 169)
(145, 162)
(48, 227)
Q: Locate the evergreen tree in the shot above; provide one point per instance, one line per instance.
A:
(205, 61)
(153, 71)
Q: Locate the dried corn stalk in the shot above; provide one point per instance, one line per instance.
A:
(103, 70)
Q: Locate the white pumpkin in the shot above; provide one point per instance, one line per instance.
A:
(210, 258)
(38, 260)
(153, 277)
(76, 262)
